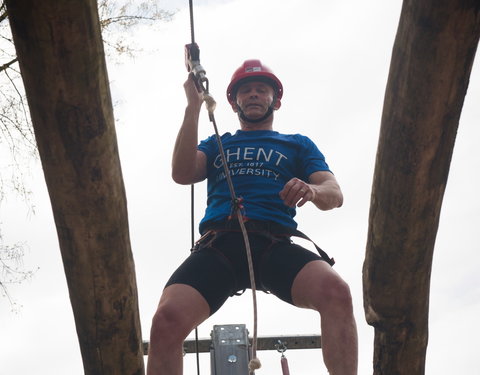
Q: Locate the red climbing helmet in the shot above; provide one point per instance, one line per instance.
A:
(253, 70)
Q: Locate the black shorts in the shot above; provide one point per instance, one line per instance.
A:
(218, 268)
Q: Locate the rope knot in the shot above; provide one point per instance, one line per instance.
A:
(254, 364)
(209, 102)
(238, 203)
(237, 209)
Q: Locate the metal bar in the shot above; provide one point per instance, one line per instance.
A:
(263, 343)
(291, 342)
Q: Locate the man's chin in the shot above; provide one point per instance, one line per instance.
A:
(254, 115)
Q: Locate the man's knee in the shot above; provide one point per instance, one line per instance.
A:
(181, 309)
(336, 295)
(169, 325)
(163, 324)
(319, 287)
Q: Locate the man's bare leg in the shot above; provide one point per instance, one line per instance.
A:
(320, 288)
(180, 310)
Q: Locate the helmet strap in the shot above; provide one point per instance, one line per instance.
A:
(267, 114)
(242, 115)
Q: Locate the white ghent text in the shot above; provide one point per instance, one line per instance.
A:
(250, 154)
(250, 161)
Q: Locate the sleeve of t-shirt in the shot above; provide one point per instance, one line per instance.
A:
(208, 146)
(311, 158)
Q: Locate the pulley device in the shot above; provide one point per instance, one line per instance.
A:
(192, 62)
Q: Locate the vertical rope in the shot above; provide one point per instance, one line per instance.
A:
(210, 103)
(192, 242)
(224, 162)
(192, 26)
(192, 214)
(254, 362)
(192, 198)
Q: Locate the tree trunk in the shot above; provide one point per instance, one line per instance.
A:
(62, 62)
(429, 74)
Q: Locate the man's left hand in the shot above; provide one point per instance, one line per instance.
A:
(296, 193)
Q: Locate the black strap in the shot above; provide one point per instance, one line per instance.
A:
(274, 228)
(323, 254)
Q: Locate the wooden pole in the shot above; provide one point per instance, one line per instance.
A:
(61, 56)
(431, 63)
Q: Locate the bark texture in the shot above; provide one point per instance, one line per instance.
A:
(60, 51)
(430, 68)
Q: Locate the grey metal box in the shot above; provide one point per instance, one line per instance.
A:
(230, 353)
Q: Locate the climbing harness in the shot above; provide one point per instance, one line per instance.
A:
(192, 62)
(275, 229)
(281, 347)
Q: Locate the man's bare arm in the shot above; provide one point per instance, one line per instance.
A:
(189, 165)
(323, 190)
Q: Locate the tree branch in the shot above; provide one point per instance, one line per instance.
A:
(7, 65)
(3, 12)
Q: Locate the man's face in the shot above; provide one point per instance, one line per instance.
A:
(254, 98)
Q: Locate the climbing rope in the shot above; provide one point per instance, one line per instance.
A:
(192, 54)
(192, 201)
(192, 26)
(192, 242)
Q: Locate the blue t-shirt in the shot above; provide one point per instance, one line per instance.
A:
(260, 163)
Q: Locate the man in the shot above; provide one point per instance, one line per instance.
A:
(273, 173)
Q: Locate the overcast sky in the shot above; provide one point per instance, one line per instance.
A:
(333, 59)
